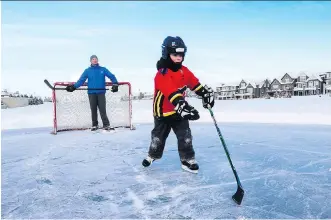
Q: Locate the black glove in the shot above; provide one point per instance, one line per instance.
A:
(70, 88)
(114, 88)
(186, 111)
(208, 97)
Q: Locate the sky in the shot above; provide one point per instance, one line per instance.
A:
(227, 40)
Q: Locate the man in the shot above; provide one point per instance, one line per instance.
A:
(171, 111)
(96, 76)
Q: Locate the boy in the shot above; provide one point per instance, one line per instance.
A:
(170, 109)
(95, 75)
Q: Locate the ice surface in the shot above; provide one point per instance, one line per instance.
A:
(284, 168)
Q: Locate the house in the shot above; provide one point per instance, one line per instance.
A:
(282, 87)
(219, 91)
(227, 91)
(287, 85)
(300, 84)
(256, 88)
(246, 90)
(313, 85)
(5, 93)
(264, 88)
(241, 89)
(275, 88)
(326, 83)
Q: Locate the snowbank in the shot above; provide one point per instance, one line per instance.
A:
(296, 110)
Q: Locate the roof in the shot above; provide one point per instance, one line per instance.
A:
(276, 79)
(253, 84)
(233, 83)
(290, 75)
(302, 73)
(323, 73)
(314, 77)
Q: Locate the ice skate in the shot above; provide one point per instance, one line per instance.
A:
(94, 128)
(108, 128)
(147, 161)
(190, 166)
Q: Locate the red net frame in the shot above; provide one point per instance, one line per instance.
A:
(121, 101)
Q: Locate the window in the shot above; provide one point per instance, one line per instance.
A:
(250, 90)
(276, 86)
(242, 84)
(302, 78)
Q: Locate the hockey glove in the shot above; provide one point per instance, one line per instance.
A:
(114, 88)
(70, 88)
(208, 97)
(186, 111)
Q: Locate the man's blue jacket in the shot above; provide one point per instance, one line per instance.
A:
(96, 78)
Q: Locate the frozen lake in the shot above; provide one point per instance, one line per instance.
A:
(285, 168)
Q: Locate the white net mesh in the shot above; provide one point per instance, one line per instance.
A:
(72, 109)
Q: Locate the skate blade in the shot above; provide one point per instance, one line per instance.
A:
(188, 170)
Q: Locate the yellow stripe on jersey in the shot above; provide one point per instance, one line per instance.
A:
(175, 96)
(168, 113)
(155, 101)
(158, 105)
(199, 87)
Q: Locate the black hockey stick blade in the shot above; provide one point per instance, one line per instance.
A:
(48, 84)
(239, 195)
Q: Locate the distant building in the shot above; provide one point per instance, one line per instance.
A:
(300, 84)
(285, 86)
(313, 85)
(264, 88)
(227, 91)
(5, 93)
(326, 83)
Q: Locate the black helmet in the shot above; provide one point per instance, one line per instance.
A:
(173, 45)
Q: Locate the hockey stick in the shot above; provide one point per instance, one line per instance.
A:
(53, 88)
(239, 195)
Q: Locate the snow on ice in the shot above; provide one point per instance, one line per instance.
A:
(281, 149)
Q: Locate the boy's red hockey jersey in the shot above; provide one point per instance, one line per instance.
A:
(169, 88)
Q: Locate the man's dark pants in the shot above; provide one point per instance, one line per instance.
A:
(160, 132)
(98, 100)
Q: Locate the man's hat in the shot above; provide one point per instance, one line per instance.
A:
(93, 56)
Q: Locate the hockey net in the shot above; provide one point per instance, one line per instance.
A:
(72, 109)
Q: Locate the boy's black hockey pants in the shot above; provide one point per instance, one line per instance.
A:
(160, 132)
